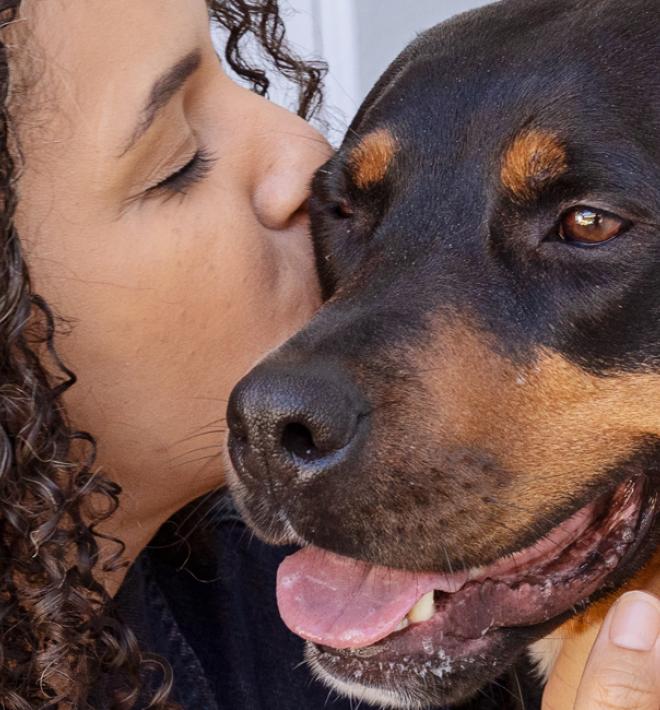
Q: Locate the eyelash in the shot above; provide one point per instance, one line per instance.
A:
(178, 183)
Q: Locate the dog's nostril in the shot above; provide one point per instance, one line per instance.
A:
(298, 440)
(286, 420)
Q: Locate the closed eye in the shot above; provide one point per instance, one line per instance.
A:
(178, 183)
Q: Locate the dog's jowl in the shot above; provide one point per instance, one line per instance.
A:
(466, 439)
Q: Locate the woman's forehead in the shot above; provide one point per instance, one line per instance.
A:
(101, 58)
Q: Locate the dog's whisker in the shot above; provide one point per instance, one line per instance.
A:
(507, 690)
(216, 434)
(204, 431)
(207, 459)
(202, 519)
(446, 554)
(202, 434)
(220, 423)
(327, 698)
(521, 696)
(196, 508)
(194, 451)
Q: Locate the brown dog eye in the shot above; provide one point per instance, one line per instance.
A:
(584, 225)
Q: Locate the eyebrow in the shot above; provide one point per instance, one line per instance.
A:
(163, 90)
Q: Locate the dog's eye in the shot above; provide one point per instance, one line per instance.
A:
(587, 226)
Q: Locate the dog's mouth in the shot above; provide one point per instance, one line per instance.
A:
(356, 611)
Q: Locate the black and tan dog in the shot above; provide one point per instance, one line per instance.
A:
(466, 439)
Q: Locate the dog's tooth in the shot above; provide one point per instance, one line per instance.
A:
(403, 625)
(423, 610)
(476, 573)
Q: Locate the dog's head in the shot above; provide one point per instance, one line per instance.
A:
(474, 416)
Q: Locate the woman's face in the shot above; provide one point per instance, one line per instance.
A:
(163, 213)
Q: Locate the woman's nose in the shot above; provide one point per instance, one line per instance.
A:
(293, 151)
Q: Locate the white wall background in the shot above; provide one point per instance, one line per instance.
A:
(359, 38)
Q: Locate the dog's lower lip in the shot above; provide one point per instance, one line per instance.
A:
(590, 561)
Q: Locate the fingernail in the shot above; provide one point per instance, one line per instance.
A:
(636, 623)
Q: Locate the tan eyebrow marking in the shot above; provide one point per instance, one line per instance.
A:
(370, 160)
(534, 159)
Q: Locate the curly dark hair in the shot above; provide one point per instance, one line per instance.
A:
(59, 638)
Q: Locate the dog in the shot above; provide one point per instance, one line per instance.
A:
(465, 441)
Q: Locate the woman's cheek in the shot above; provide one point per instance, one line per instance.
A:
(265, 293)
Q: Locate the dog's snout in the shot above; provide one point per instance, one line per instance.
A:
(290, 420)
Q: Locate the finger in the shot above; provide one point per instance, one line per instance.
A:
(623, 670)
(562, 686)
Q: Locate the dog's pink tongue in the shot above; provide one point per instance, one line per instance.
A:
(343, 603)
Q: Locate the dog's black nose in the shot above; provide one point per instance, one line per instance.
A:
(291, 420)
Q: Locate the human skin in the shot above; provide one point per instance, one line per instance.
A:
(596, 670)
(171, 296)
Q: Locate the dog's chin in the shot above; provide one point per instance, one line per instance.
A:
(451, 656)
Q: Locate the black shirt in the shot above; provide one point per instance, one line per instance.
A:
(209, 608)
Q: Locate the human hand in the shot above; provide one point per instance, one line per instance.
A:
(622, 670)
